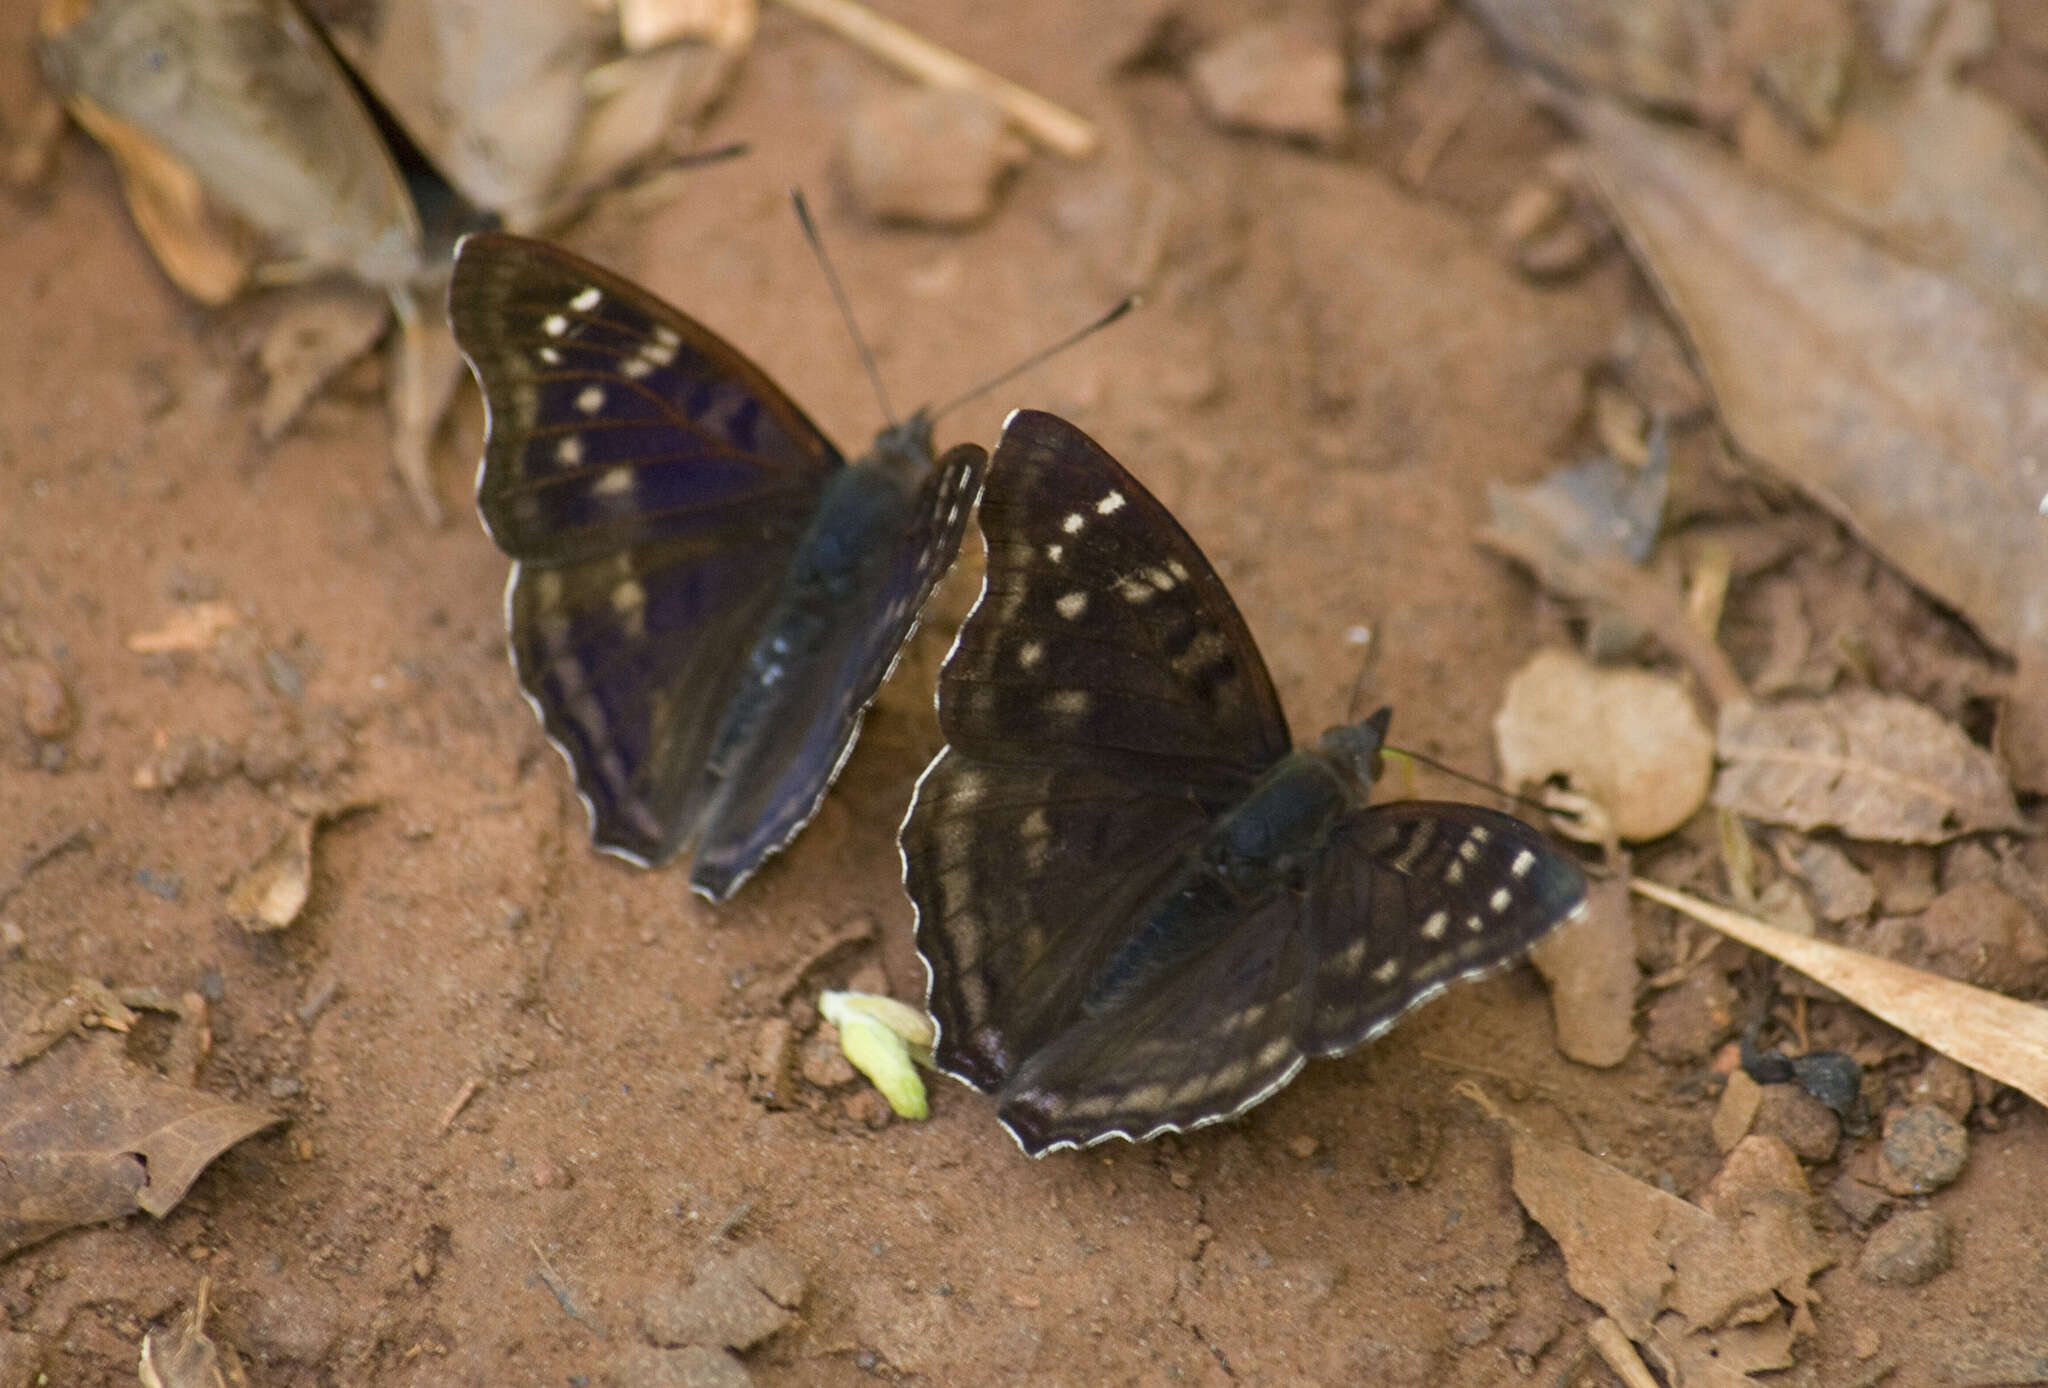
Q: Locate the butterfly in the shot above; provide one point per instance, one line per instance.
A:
(705, 596)
(1140, 908)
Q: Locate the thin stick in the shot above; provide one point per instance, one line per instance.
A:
(1999, 1036)
(1053, 126)
(461, 1100)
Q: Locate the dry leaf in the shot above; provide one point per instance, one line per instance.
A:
(191, 628)
(1628, 739)
(86, 1136)
(187, 1357)
(246, 96)
(1936, 171)
(1875, 766)
(315, 335)
(269, 894)
(1667, 1271)
(1646, 50)
(1905, 400)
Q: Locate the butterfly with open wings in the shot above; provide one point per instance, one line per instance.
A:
(1141, 909)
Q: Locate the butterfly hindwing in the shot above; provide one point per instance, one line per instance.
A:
(1413, 896)
(768, 785)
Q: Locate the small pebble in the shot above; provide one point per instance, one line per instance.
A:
(1758, 1164)
(727, 1302)
(1924, 1149)
(1805, 1124)
(1863, 1203)
(1979, 934)
(1687, 1022)
(1908, 1250)
(1303, 1146)
(928, 156)
(46, 707)
(1945, 1084)
(1275, 78)
(823, 1063)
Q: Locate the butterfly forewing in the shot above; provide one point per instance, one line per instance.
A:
(771, 784)
(614, 419)
(1102, 633)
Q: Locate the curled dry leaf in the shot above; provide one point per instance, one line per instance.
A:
(247, 99)
(1630, 739)
(87, 1136)
(187, 1357)
(269, 894)
(1875, 766)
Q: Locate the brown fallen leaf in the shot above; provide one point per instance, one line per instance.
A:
(1904, 399)
(269, 894)
(1648, 1258)
(248, 99)
(1646, 50)
(187, 1357)
(1874, 766)
(1995, 1035)
(40, 1006)
(191, 628)
(87, 1136)
(315, 335)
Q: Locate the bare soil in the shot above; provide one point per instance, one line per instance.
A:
(1330, 369)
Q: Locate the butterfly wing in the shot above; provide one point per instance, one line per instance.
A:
(1103, 702)
(650, 484)
(1409, 898)
(786, 738)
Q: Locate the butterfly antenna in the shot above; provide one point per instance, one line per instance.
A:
(860, 345)
(1042, 355)
(1433, 764)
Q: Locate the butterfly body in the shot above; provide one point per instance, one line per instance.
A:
(705, 595)
(1141, 910)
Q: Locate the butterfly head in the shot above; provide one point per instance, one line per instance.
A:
(904, 450)
(1355, 748)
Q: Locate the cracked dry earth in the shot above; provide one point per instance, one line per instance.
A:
(532, 1107)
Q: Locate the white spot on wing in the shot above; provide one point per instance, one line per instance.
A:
(1029, 654)
(1523, 862)
(587, 300)
(1387, 972)
(1110, 505)
(569, 452)
(1073, 523)
(549, 356)
(1070, 703)
(616, 481)
(1055, 553)
(1433, 928)
(1072, 605)
(554, 325)
(590, 399)
(1500, 899)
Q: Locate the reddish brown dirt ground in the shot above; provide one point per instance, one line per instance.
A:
(1330, 369)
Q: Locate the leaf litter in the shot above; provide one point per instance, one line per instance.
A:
(86, 1135)
(1874, 766)
(1902, 398)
